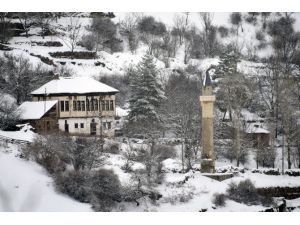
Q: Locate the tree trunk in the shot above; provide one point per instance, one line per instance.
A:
(182, 153)
(289, 156)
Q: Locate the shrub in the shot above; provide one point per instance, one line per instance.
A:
(44, 151)
(244, 192)
(74, 184)
(112, 147)
(269, 171)
(293, 173)
(219, 199)
(224, 31)
(89, 42)
(44, 59)
(74, 55)
(105, 190)
(48, 43)
(165, 151)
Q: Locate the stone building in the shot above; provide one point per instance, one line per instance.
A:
(74, 105)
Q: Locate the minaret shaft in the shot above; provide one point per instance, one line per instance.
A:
(208, 156)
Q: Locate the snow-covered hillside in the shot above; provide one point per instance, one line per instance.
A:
(116, 63)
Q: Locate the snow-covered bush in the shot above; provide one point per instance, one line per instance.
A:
(245, 192)
(165, 151)
(44, 151)
(105, 190)
(178, 193)
(219, 199)
(112, 147)
(268, 171)
(75, 184)
(230, 169)
(293, 172)
(101, 188)
(9, 115)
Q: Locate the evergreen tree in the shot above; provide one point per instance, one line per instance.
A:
(228, 64)
(146, 95)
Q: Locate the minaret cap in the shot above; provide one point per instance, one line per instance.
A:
(207, 81)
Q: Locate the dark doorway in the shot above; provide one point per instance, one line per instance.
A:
(66, 127)
(93, 127)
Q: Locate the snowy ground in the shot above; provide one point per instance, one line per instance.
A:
(26, 186)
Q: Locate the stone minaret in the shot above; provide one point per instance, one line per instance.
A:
(207, 103)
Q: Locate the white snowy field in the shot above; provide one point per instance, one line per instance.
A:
(26, 186)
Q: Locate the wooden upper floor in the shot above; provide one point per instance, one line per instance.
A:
(69, 106)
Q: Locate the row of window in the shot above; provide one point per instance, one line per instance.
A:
(105, 125)
(88, 105)
(81, 125)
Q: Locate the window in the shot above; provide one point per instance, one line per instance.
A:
(104, 126)
(76, 125)
(48, 125)
(111, 105)
(82, 105)
(87, 105)
(67, 106)
(78, 106)
(103, 105)
(82, 125)
(96, 104)
(74, 106)
(107, 105)
(108, 125)
(62, 106)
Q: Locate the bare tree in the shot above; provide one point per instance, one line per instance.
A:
(43, 20)
(181, 23)
(182, 112)
(128, 27)
(207, 21)
(72, 34)
(9, 115)
(236, 20)
(25, 19)
(5, 33)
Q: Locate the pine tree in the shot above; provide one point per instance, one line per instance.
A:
(228, 64)
(146, 93)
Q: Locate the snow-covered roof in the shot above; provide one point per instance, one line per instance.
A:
(35, 110)
(248, 116)
(76, 85)
(256, 128)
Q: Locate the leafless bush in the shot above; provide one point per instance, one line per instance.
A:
(105, 190)
(245, 192)
(43, 150)
(112, 147)
(219, 199)
(74, 184)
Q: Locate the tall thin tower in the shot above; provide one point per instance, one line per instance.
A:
(207, 100)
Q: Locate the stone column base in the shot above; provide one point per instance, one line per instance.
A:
(207, 166)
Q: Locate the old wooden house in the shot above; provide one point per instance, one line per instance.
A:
(74, 105)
